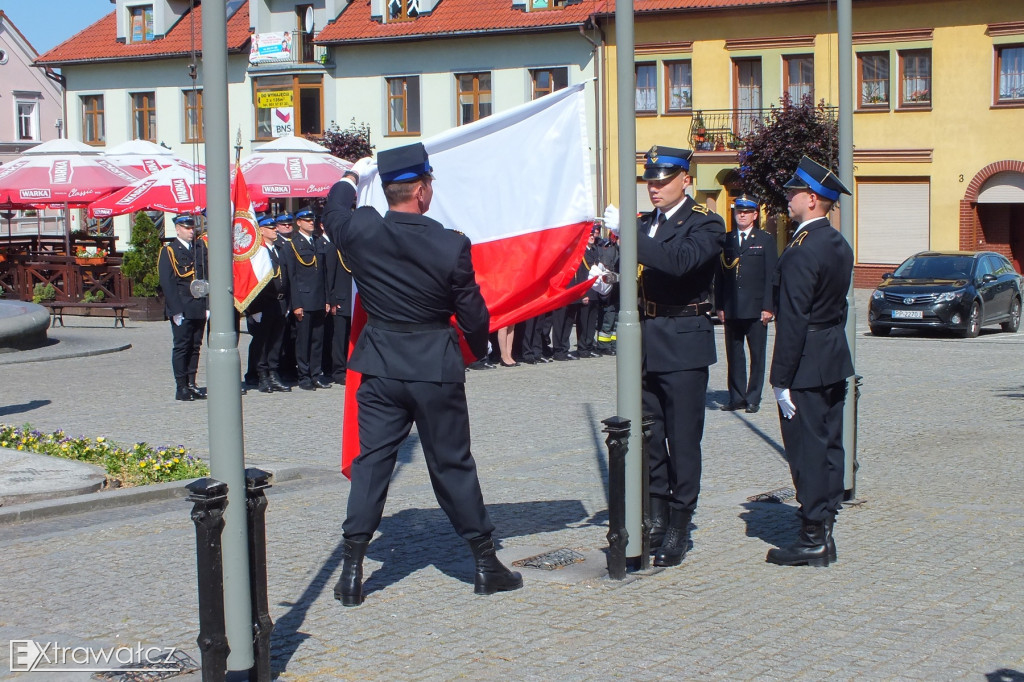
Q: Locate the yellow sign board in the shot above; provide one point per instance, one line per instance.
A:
(274, 99)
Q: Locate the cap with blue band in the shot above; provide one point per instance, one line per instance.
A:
(662, 163)
(746, 201)
(817, 178)
(403, 164)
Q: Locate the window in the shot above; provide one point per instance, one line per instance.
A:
(193, 115)
(404, 105)
(892, 219)
(916, 78)
(288, 105)
(403, 10)
(92, 120)
(874, 80)
(679, 83)
(140, 24)
(646, 89)
(535, 5)
(799, 75)
(1010, 74)
(302, 36)
(144, 116)
(747, 94)
(474, 96)
(546, 81)
(28, 121)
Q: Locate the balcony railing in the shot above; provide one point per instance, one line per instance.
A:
(724, 129)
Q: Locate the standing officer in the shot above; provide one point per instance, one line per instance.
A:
(285, 226)
(305, 265)
(178, 263)
(413, 275)
(812, 361)
(339, 318)
(743, 294)
(266, 318)
(590, 305)
(678, 246)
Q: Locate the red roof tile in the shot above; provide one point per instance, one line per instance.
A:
(455, 17)
(99, 41)
(698, 5)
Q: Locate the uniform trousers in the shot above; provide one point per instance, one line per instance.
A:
(309, 344)
(586, 324)
(186, 340)
(562, 321)
(606, 325)
(676, 402)
(814, 449)
(387, 410)
(336, 334)
(756, 336)
(267, 337)
(536, 338)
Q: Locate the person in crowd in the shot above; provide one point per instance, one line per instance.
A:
(589, 306)
(306, 271)
(266, 318)
(178, 262)
(608, 255)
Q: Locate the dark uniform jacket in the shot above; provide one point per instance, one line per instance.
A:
(413, 275)
(743, 287)
(590, 259)
(811, 282)
(274, 296)
(177, 265)
(306, 265)
(340, 290)
(677, 269)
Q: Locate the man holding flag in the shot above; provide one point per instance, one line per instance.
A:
(413, 276)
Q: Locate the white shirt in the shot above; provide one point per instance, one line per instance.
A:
(668, 214)
(186, 244)
(745, 235)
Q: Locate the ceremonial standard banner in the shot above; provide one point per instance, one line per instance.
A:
(250, 261)
(518, 185)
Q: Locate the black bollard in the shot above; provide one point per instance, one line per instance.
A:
(617, 429)
(256, 481)
(209, 498)
(645, 490)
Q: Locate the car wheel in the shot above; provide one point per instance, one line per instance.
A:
(973, 322)
(880, 331)
(1013, 324)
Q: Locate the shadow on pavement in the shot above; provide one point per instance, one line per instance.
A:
(19, 408)
(600, 458)
(774, 523)
(1005, 675)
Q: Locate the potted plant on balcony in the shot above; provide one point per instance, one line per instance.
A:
(90, 256)
(140, 266)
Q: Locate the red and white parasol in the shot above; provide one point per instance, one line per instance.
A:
(175, 189)
(61, 172)
(143, 157)
(291, 167)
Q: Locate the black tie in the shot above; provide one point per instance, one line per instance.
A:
(661, 219)
(741, 240)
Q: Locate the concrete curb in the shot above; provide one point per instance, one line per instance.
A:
(35, 355)
(123, 497)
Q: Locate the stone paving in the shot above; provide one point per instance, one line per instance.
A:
(928, 585)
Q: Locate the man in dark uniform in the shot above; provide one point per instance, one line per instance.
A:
(743, 294)
(266, 318)
(413, 275)
(339, 318)
(285, 226)
(812, 360)
(678, 246)
(608, 255)
(178, 263)
(590, 305)
(305, 263)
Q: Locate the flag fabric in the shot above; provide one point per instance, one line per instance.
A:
(251, 264)
(518, 184)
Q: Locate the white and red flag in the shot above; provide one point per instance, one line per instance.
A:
(518, 184)
(250, 261)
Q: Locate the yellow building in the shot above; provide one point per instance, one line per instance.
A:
(939, 108)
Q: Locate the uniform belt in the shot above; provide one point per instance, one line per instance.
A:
(652, 309)
(822, 326)
(408, 326)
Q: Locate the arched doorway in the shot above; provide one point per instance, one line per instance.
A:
(992, 211)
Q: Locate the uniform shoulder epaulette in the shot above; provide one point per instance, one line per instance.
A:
(700, 208)
(457, 231)
(800, 238)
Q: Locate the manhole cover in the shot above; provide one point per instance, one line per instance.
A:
(778, 495)
(549, 561)
(179, 663)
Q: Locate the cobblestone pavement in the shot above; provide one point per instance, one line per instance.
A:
(929, 584)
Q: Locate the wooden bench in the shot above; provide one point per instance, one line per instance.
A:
(57, 310)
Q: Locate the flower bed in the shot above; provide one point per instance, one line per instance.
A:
(139, 465)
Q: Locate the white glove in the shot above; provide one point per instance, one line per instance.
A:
(207, 314)
(257, 317)
(785, 402)
(600, 285)
(611, 218)
(178, 319)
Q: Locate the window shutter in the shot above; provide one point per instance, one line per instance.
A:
(892, 220)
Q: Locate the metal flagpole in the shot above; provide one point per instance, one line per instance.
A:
(223, 365)
(627, 358)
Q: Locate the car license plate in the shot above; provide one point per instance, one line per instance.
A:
(907, 314)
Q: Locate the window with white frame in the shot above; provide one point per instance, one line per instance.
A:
(28, 120)
(893, 218)
(646, 89)
(1010, 74)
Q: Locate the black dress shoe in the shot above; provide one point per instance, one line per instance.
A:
(480, 364)
(184, 394)
(732, 407)
(751, 409)
(545, 360)
(198, 393)
(509, 364)
(321, 383)
(307, 385)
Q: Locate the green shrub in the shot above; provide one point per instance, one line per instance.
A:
(141, 263)
(93, 297)
(43, 292)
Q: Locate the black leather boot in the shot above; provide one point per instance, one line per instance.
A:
(264, 385)
(198, 393)
(658, 522)
(810, 549)
(491, 575)
(277, 385)
(182, 393)
(830, 541)
(349, 589)
(677, 539)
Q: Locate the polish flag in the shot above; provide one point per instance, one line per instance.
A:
(251, 264)
(518, 184)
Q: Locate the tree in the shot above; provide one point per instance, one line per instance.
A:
(350, 144)
(772, 150)
(141, 263)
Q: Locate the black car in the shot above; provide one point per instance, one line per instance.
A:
(961, 291)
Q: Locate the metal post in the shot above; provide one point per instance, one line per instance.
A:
(645, 495)
(627, 358)
(256, 481)
(848, 218)
(617, 429)
(223, 366)
(209, 497)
